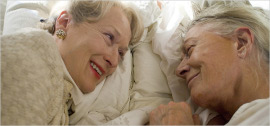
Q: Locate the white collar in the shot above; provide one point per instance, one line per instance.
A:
(75, 92)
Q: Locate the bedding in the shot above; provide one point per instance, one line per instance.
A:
(21, 14)
(146, 77)
(3, 4)
(166, 43)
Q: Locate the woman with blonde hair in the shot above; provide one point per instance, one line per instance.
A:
(225, 62)
(42, 73)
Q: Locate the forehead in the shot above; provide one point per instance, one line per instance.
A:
(117, 19)
(195, 32)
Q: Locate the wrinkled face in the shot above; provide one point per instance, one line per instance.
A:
(92, 51)
(209, 66)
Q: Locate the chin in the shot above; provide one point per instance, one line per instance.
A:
(88, 89)
(199, 99)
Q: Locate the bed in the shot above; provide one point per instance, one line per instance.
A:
(146, 77)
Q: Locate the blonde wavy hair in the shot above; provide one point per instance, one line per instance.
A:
(92, 11)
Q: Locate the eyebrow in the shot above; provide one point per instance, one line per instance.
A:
(192, 39)
(118, 34)
(182, 46)
(114, 29)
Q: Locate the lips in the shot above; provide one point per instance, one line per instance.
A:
(98, 71)
(190, 79)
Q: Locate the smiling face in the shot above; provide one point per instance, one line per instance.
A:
(210, 66)
(92, 51)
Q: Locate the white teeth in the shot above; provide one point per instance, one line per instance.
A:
(96, 68)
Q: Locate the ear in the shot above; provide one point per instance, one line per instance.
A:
(244, 41)
(62, 21)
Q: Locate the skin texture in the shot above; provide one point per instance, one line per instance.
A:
(170, 114)
(219, 75)
(104, 43)
(210, 66)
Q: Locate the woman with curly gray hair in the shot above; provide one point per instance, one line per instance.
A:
(225, 62)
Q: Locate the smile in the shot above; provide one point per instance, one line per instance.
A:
(96, 68)
(192, 78)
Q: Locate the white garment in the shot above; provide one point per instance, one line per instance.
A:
(253, 113)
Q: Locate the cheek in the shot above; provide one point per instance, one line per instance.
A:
(111, 71)
(96, 45)
(217, 81)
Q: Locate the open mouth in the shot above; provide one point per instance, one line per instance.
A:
(96, 68)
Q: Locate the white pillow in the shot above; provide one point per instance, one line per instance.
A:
(150, 87)
(2, 14)
(21, 14)
(166, 43)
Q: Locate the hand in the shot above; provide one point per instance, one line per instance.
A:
(174, 114)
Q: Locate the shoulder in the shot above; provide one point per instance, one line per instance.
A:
(27, 37)
(29, 43)
(31, 51)
(31, 77)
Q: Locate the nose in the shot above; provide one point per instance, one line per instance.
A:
(112, 59)
(182, 70)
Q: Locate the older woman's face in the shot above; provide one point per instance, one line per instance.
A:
(209, 66)
(92, 51)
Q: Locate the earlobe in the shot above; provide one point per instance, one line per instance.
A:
(242, 52)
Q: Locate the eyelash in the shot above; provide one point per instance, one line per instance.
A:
(188, 50)
(110, 36)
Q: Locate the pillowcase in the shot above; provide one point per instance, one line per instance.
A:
(21, 14)
(3, 10)
(150, 88)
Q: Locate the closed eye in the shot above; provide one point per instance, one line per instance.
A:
(110, 36)
(189, 51)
